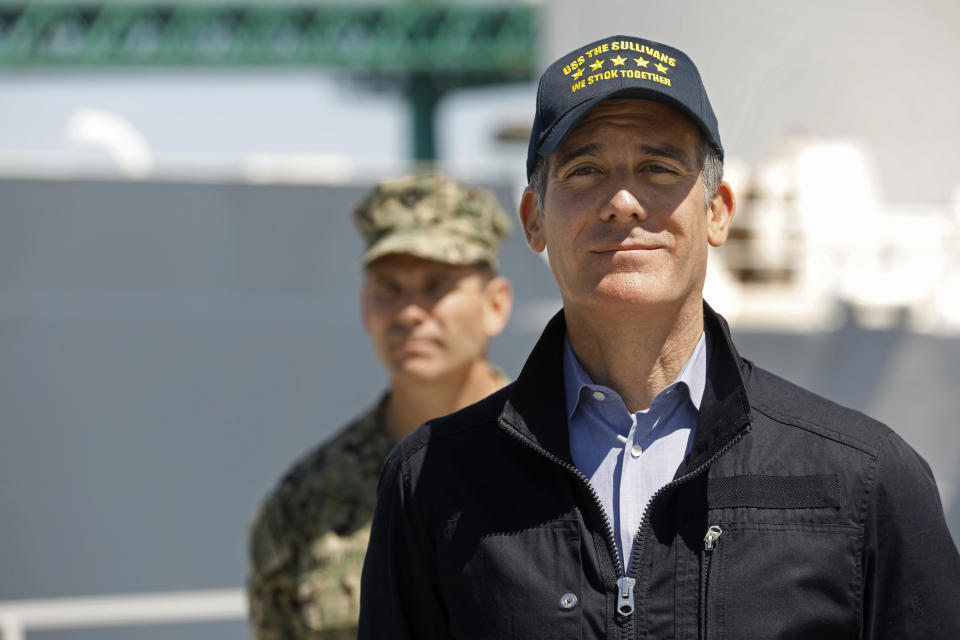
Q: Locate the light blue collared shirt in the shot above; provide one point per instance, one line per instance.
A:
(629, 457)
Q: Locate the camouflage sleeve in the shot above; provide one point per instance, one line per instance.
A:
(308, 540)
(312, 594)
(271, 585)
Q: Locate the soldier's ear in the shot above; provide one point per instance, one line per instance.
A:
(365, 294)
(531, 217)
(498, 304)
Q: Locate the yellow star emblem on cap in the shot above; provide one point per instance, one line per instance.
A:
(661, 68)
(618, 61)
(578, 74)
(642, 62)
(596, 65)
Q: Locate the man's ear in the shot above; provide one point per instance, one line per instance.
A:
(498, 304)
(531, 218)
(720, 214)
(365, 304)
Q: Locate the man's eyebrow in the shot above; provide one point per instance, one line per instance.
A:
(666, 151)
(573, 154)
(380, 278)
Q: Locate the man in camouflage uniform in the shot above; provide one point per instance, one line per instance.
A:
(431, 300)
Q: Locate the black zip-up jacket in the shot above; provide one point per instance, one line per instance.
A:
(791, 517)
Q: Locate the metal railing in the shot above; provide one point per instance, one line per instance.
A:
(217, 605)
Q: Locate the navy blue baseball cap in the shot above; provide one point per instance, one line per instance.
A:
(616, 67)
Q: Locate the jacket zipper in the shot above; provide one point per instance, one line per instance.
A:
(640, 541)
(625, 603)
(625, 584)
(709, 543)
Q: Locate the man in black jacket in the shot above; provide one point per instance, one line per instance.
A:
(641, 479)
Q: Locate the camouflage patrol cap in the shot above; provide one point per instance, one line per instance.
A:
(432, 217)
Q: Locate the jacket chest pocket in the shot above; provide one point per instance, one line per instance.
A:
(516, 584)
(766, 581)
(774, 564)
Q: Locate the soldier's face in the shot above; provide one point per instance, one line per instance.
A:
(429, 319)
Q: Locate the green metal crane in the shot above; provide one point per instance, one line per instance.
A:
(423, 50)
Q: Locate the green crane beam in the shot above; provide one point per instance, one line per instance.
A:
(421, 49)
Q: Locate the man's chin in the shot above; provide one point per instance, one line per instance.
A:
(622, 289)
(419, 370)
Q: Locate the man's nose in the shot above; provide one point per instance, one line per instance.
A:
(412, 309)
(624, 205)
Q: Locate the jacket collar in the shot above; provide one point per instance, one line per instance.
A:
(725, 408)
(535, 407)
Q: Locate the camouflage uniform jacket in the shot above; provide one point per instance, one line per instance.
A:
(308, 540)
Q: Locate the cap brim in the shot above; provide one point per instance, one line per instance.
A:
(448, 249)
(555, 137)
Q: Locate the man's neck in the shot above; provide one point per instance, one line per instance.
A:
(413, 402)
(637, 358)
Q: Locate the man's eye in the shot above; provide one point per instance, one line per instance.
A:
(437, 286)
(583, 171)
(385, 291)
(657, 168)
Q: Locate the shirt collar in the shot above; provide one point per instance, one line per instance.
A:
(693, 375)
(694, 372)
(575, 377)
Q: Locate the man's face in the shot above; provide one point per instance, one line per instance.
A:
(428, 319)
(624, 217)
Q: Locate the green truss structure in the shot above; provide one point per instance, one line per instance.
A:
(422, 49)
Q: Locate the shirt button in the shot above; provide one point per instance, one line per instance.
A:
(599, 396)
(568, 601)
(636, 450)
